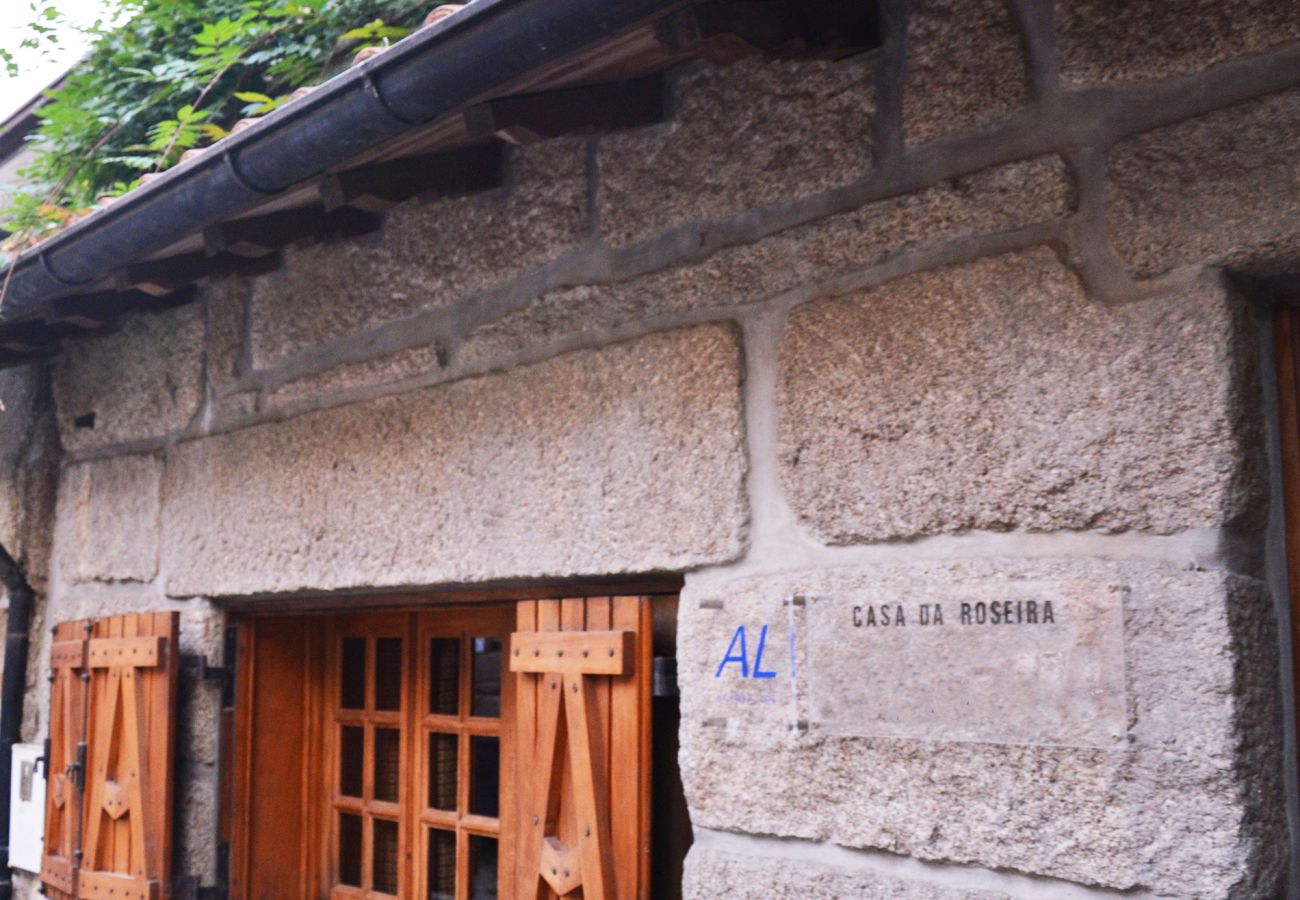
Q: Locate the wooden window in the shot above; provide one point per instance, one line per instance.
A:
(368, 711)
(416, 747)
(426, 755)
(109, 806)
(463, 697)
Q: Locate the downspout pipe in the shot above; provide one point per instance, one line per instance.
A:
(13, 686)
(455, 62)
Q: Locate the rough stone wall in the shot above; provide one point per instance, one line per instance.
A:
(956, 318)
(29, 461)
(29, 453)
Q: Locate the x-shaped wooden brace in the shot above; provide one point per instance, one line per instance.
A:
(565, 663)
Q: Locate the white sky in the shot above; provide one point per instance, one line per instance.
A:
(36, 70)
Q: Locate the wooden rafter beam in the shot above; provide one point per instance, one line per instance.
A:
(34, 337)
(23, 349)
(164, 276)
(94, 312)
(260, 236)
(726, 31)
(77, 315)
(381, 185)
(595, 109)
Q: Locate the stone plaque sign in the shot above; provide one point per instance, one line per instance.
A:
(1023, 662)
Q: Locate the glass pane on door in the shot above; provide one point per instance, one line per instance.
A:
(442, 865)
(482, 868)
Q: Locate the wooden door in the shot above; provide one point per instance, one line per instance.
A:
(376, 755)
(111, 836)
(583, 735)
(394, 754)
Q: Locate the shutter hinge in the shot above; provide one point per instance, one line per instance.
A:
(230, 653)
(188, 887)
(76, 770)
(665, 676)
(197, 664)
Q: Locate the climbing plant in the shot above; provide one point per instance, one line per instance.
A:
(163, 76)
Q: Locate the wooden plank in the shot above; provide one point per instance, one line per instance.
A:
(99, 725)
(600, 617)
(68, 654)
(590, 788)
(644, 680)
(119, 829)
(134, 749)
(138, 652)
(108, 886)
(628, 769)
(549, 618)
(58, 874)
(541, 816)
(573, 618)
(525, 727)
(128, 754)
(573, 652)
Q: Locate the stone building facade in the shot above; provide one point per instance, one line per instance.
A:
(981, 317)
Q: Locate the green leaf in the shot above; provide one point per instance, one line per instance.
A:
(136, 94)
(133, 162)
(372, 30)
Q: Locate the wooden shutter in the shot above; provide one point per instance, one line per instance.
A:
(62, 766)
(128, 728)
(583, 767)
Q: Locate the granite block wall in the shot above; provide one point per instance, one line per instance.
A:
(971, 320)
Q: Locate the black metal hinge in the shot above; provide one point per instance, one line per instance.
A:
(665, 677)
(188, 887)
(197, 665)
(76, 771)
